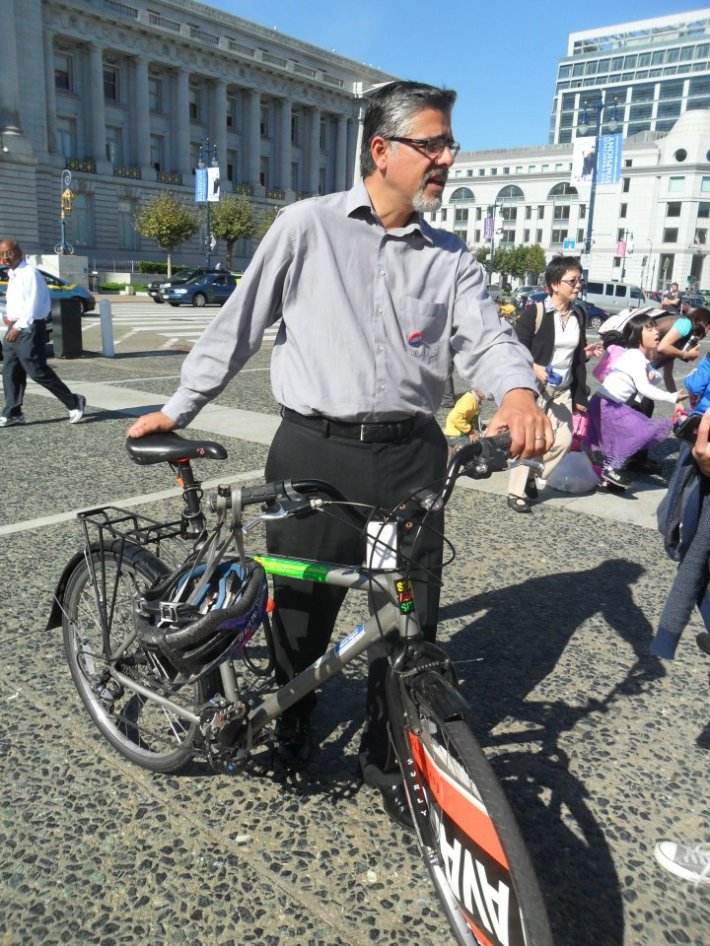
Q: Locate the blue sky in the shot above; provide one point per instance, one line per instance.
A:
(500, 56)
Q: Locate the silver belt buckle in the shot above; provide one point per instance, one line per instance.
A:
(362, 433)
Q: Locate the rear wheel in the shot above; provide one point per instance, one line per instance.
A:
(595, 322)
(147, 733)
(199, 299)
(465, 827)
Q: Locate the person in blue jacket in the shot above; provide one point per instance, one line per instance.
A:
(697, 385)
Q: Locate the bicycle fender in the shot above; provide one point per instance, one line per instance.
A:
(55, 616)
(439, 695)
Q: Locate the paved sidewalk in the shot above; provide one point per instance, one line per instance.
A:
(549, 617)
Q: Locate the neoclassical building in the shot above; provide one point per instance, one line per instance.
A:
(660, 207)
(126, 93)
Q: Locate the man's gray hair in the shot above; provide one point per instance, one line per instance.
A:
(392, 109)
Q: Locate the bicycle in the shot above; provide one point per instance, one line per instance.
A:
(152, 651)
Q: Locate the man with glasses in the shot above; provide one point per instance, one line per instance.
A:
(370, 298)
(25, 342)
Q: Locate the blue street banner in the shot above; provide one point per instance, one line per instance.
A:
(200, 185)
(609, 158)
(583, 155)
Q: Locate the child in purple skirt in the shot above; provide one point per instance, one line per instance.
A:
(617, 425)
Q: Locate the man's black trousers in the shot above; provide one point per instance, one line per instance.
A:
(380, 474)
(27, 356)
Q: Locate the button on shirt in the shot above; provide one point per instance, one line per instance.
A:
(28, 298)
(368, 316)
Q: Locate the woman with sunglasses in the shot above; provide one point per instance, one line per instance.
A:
(556, 338)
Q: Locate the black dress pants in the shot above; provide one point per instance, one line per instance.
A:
(380, 474)
(27, 356)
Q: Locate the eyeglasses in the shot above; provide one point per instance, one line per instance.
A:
(432, 147)
(578, 281)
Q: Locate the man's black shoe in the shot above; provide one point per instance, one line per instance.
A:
(394, 801)
(703, 641)
(293, 741)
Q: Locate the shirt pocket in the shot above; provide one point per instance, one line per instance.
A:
(423, 326)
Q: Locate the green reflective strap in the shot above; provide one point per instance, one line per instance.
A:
(291, 568)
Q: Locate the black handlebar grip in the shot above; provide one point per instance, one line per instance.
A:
(253, 495)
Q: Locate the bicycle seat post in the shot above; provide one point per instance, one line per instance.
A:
(193, 519)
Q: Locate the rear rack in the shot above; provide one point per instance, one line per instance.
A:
(117, 523)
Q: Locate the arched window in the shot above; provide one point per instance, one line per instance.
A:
(563, 189)
(462, 193)
(509, 194)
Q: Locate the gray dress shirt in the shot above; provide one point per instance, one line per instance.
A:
(368, 318)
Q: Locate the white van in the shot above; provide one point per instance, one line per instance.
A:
(614, 296)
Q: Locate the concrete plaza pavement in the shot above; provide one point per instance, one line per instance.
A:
(603, 751)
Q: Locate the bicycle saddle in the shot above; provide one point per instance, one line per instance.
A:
(171, 448)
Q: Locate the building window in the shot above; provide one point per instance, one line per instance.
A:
(231, 111)
(620, 234)
(704, 185)
(264, 171)
(295, 176)
(82, 221)
(494, 172)
(128, 238)
(443, 215)
(676, 185)
(111, 83)
(114, 145)
(673, 209)
(476, 236)
(526, 236)
(323, 140)
(580, 237)
(194, 104)
(528, 213)
(703, 209)
(63, 72)
(481, 172)
(66, 136)
(701, 237)
(560, 212)
(558, 236)
(460, 215)
(232, 165)
(509, 213)
(321, 181)
(670, 235)
(479, 211)
(626, 184)
(582, 211)
(622, 210)
(264, 122)
(295, 129)
(540, 212)
(538, 236)
(157, 152)
(155, 94)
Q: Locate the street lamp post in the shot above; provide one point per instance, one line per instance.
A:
(598, 109)
(205, 194)
(628, 242)
(65, 208)
(489, 232)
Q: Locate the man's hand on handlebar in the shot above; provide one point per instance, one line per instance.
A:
(155, 423)
(530, 429)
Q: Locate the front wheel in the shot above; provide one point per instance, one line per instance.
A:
(199, 299)
(148, 733)
(465, 827)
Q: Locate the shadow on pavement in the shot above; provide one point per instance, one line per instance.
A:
(516, 638)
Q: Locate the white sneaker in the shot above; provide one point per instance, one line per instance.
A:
(78, 412)
(15, 421)
(690, 863)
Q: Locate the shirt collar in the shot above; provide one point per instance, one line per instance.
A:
(11, 273)
(358, 198)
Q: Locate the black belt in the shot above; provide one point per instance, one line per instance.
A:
(379, 432)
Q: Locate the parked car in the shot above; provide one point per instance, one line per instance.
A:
(595, 314)
(157, 288)
(58, 289)
(524, 291)
(207, 289)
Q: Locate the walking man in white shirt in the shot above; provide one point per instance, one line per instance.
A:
(28, 305)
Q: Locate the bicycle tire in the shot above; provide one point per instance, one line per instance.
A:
(258, 654)
(143, 732)
(465, 827)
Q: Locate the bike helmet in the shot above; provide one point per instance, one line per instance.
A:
(196, 637)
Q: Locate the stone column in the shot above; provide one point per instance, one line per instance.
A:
(97, 108)
(285, 146)
(181, 132)
(353, 162)
(10, 86)
(219, 123)
(140, 151)
(49, 91)
(253, 140)
(341, 154)
(314, 152)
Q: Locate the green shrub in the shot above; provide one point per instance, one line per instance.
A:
(112, 286)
